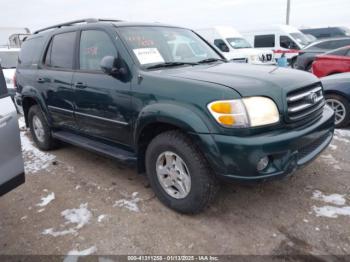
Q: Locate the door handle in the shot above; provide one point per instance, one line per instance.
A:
(79, 85)
(40, 80)
(4, 120)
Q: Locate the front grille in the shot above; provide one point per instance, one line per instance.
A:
(307, 102)
(306, 150)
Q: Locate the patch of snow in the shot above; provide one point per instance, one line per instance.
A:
(342, 132)
(23, 218)
(74, 254)
(52, 232)
(130, 204)
(333, 147)
(341, 139)
(22, 123)
(46, 200)
(100, 218)
(79, 216)
(305, 220)
(317, 228)
(331, 211)
(41, 210)
(77, 187)
(335, 199)
(34, 159)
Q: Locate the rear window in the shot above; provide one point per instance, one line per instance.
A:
(30, 52)
(264, 41)
(61, 51)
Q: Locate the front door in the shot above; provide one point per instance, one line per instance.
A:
(11, 161)
(102, 101)
(55, 79)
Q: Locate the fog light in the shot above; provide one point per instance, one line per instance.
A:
(262, 164)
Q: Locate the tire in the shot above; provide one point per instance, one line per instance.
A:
(293, 63)
(340, 105)
(203, 184)
(43, 139)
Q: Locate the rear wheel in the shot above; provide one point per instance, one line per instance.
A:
(39, 129)
(341, 109)
(179, 174)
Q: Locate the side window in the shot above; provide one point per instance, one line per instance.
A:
(340, 43)
(348, 53)
(60, 53)
(3, 88)
(324, 45)
(94, 45)
(30, 52)
(264, 41)
(219, 43)
(287, 42)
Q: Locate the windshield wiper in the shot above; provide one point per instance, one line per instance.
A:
(170, 64)
(210, 60)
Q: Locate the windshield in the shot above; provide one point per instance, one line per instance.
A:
(8, 59)
(156, 44)
(238, 42)
(300, 38)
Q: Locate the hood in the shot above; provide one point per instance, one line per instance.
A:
(247, 79)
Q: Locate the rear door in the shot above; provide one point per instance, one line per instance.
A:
(55, 79)
(11, 162)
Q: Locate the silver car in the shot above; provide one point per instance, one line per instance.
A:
(11, 161)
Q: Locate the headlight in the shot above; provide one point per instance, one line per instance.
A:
(246, 112)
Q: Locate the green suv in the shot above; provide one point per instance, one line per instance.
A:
(162, 98)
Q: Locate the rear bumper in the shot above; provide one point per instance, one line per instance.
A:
(237, 157)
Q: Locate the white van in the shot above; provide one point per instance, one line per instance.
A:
(280, 39)
(234, 47)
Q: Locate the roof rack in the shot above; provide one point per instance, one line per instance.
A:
(87, 20)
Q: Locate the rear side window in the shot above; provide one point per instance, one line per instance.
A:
(3, 88)
(30, 52)
(339, 52)
(219, 43)
(60, 53)
(94, 45)
(264, 41)
(340, 43)
(287, 42)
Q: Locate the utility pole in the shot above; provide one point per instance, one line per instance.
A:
(288, 12)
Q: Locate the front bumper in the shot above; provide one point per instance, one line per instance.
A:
(237, 157)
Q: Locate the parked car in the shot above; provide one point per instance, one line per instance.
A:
(234, 47)
(337, 92)
(327, 32)
(8, 61)
(280, 39)
(11, 162)
(115, 88)
(333, 62)
(307, 55)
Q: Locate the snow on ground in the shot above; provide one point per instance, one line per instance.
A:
(335, 199)
(74, 254)
(46, 200)
(130, 204)
(342, 135)
(79, 216)
(100, 218)
(330, 211)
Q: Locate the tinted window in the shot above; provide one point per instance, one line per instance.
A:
(340, 52)
(287, 42)
(219, 43)
(324, 45)
(3, 88)
(30, 52)
(340, 43)
(94, 45)
(264, 41)
(61, 51)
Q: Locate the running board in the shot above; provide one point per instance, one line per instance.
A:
(96, 146)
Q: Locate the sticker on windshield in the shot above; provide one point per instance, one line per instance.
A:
(148, 55)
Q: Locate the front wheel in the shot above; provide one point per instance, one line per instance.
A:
(341, 109)
(179, 174)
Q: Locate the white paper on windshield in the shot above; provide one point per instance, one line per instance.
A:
(148, 55)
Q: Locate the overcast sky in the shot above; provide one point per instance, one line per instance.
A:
(242, 14)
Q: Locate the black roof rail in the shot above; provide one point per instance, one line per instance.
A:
(87, 20)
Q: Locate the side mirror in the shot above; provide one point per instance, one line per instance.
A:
(110, 65)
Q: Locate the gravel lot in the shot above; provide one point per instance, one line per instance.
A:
(77, 201)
